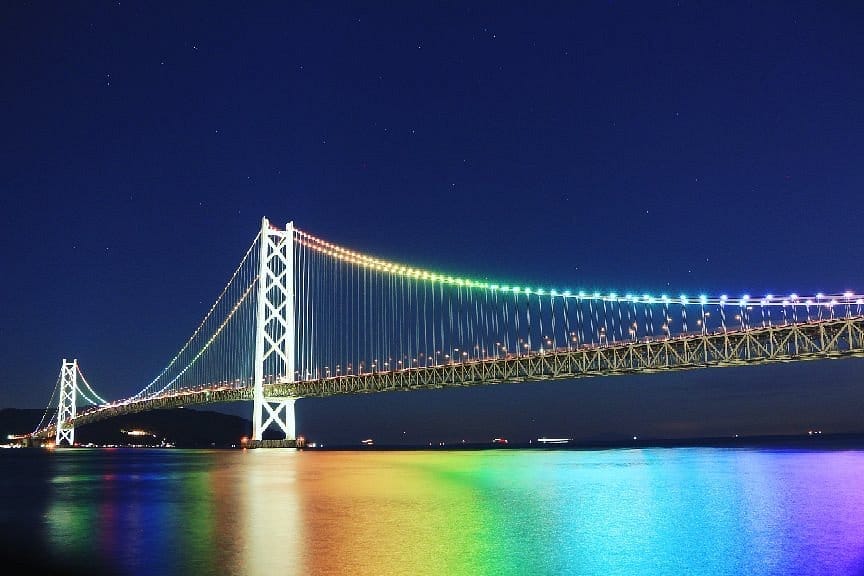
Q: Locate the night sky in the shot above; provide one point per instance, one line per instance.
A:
(646, 146)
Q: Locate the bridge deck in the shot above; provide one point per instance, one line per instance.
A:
(809, 341)
(835, 338)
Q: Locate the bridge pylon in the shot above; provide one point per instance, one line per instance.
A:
(274, 329)
(66, 408)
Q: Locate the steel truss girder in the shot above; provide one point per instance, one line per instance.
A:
(838, 338)
(168, 401)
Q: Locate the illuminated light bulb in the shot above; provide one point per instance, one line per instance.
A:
(596, 295)
(820, 295)
(581, 294)
(628, 296)
(494, 286)
(567, 293)
(745, 297)
(683, 299)
(665, 298)
(848, 295)
(703, 299)
(553, 292)
(539, 291)
(723, 298)
(793, 296)
(613, 296)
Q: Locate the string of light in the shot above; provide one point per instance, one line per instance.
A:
(204, 322)
(50, 409)
(382, 265)
(96, 398)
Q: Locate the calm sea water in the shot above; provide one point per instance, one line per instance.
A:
(655, 511)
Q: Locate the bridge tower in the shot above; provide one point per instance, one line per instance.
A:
(274, 329)
(66, 408)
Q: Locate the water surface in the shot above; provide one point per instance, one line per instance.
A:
(650, 511)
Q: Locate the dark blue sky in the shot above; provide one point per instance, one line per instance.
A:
(704, 147)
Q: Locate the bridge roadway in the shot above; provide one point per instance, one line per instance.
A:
(832, 338)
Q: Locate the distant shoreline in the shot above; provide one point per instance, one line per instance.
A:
(798, 442)
(194, 429)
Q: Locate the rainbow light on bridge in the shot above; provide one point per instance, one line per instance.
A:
(404, 271)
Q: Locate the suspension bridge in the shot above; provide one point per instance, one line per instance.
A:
(302, 317)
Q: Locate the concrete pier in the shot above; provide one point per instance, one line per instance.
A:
(284, 443)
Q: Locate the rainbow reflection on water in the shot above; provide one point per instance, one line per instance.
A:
(653, 511)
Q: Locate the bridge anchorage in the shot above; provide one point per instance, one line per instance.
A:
(302, 317)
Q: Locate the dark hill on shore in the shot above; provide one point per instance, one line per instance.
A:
(182, 427)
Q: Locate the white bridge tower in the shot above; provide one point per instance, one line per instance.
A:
(66, 408)
(274, 329)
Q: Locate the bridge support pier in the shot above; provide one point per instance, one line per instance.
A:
(270, 410)
(273, 444)
(275, 336)
(66, 409)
